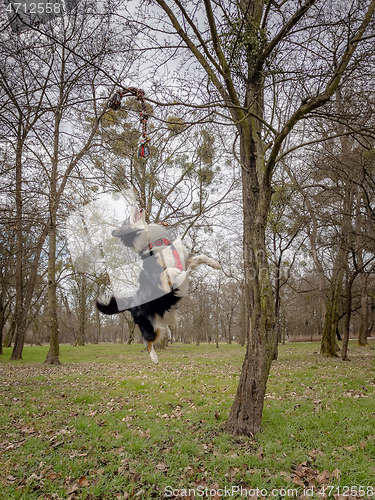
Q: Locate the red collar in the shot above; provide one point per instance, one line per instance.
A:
(163, 241)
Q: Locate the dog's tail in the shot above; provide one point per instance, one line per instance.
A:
(109, 304)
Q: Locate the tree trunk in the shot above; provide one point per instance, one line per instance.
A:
(328, 344)
(217, 331)
(98, 326)
(70, 319)
(8, 336)
(10, 333)
(131, 327)
(277, 307)
(217, 320)
(97, 318)
(244, 316)
(82, 311)
(246, 414)
(363, 329)
(53, 353)
(348, 311)
(20, 324)
(313, 236)
(2, 324)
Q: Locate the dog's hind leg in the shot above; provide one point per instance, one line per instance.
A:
(194, 262)
(151, 351)
(149, 334)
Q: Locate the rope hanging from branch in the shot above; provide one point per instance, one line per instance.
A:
(115, 103)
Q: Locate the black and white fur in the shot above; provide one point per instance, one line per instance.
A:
(164, 275)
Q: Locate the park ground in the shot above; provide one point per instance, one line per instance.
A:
(109, 425)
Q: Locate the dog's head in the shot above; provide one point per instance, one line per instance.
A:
(132, 227)
(135, 233)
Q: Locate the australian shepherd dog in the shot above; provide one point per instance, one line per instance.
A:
(163, 280)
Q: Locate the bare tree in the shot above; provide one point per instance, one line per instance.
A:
(68, 69)
(241, 46)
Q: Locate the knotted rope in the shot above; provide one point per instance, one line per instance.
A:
(115, 103)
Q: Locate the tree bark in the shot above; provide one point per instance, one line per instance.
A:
(364, 326)
(348, 310)
(10, 333)
(328, 344)
(2, 324)
(244, 317)
(20, 322)
(69, 319)
(217, 318)
(246, 414)
(97, 326)
(131, 326)
(97, 318)
(54, 349)
(82, 310)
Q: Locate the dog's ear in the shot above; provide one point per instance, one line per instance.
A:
(126, 234)
(123, 230)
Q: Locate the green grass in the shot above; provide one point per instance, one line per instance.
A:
(108, 424)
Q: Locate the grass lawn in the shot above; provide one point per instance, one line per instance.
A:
(108, 424)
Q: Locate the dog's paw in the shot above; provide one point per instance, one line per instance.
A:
(179, 279)
(173, 273)
(172, 277)
(211, 262)
(214, 264)
(154, 357)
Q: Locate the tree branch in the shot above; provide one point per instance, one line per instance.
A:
(283, 32)
(198, 35)
(320, 99)
(201, 59)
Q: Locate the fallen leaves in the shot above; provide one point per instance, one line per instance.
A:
(356, 394)
(52, 476)
(232, 473)
(28, 430)
(305, 476)
(82, 481)
(74, 485)
(313, 454)
(121, 438)
(162, 466)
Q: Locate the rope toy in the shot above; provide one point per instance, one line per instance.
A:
(115, 103)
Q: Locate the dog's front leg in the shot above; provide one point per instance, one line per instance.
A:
(194, 262)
